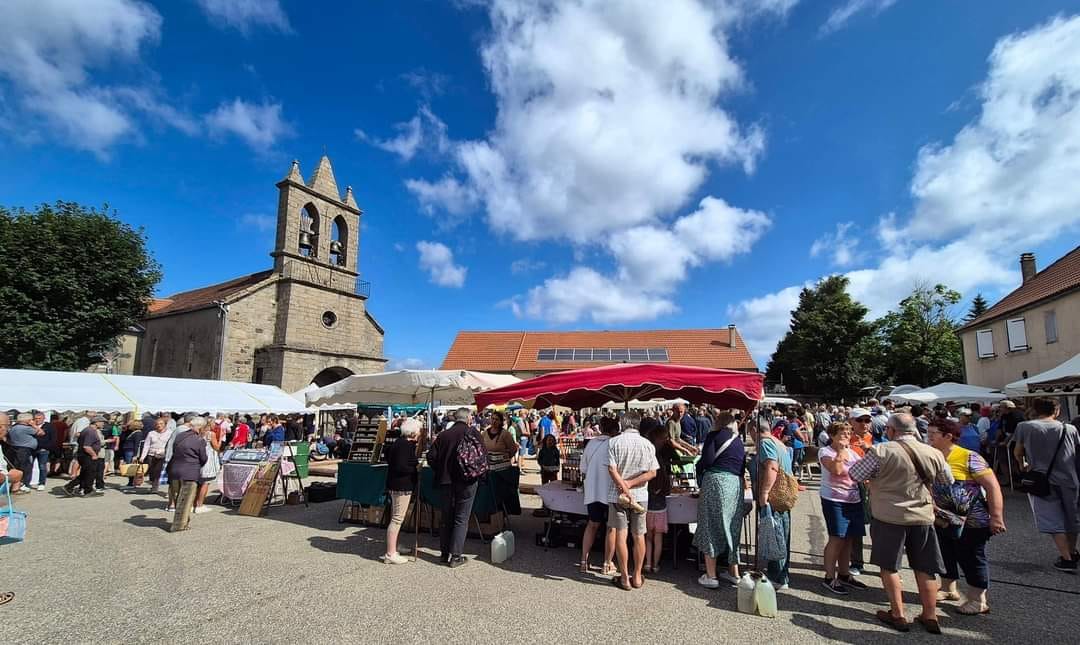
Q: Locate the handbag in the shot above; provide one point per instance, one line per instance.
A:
(771, 538)
(1037, 483)
(212, 467)
(784, 492)
(135, 469)
(12, 522)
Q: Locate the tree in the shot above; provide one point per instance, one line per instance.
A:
(72, 279)
(819, 351)
(923, 346)
(978, 308)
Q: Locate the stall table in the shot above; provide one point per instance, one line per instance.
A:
(361, 484)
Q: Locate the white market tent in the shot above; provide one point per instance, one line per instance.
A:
(635, 404)
(301, 396)
(902, 389)
(409, 387)
(779, 400)
(942, 392)
(78, 391)
(1065, 375)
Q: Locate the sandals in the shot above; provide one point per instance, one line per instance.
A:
(638, 585)
(947, 596)
(930, 624)
(899, 624)
(973, 608)
(618, 582)
(583, 566)
(609, 569)
(6, 597)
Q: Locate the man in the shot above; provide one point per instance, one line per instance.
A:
(13, 476)
(22, 443)
(879, 421)
(88, 452)
(46, 440)
(1037, 448)
(631, 463)
(675, 429)
(457, 492)
(704, 426)
(900, 473)
(922, 424)
(861, 441)
(823, 418)
(547, 425)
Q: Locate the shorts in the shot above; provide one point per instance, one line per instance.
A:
(621, 519)
(597, 511)
(1056, 513)
(656, 521)
(891, 541)
(548, 476)
(843, 519)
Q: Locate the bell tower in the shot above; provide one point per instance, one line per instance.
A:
(318, 231)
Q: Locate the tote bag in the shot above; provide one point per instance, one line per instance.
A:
(12, 522)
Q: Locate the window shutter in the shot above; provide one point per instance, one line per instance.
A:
(984, 339)
(1050, 320)
(1017, 334)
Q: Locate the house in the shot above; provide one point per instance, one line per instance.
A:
(1033, 329)
(530, 353)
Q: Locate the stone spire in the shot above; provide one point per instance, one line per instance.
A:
(294, 173)
(349, 199)
(322, 180)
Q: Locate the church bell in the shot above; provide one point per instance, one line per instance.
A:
(305, 240)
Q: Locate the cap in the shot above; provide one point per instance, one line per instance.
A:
(1008, 404)
(98, 419)
(858, 412)
(964, 411)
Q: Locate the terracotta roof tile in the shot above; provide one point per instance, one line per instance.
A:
(502, 351)
(1061, 276)
(204, 297)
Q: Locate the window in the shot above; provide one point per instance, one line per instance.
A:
(1017, 335)
(1050, 321)
(984, 341)
(190, 354)
(545, 355)
(329, 319)
(153, 355)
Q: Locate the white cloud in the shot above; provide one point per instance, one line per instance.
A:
(424, 129)
(438, 260)
(260, 222)
(245, 15)
(448, 193)
(843, 14)
(608, 114)
(764, 320)
(586, 293)
(407, 364)
(427, 83)
(260, 125)
(525, 265)
(836, 246)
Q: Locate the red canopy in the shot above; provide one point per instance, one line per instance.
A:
(593, 387)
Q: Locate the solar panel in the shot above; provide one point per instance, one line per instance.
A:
(564, 354)
(639, 355)
(601, 354)
(545, 355)
(583, 355)
(620, 354)
(658, 354)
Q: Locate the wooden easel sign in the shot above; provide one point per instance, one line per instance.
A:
(259, 490)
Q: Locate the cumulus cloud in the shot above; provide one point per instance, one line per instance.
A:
(438, 260)
(246, 15)
(424, 129)
(836, 246)
(260, 125)
(447, 194)
(407, 364)
(525, 265)
(1005, 183)
(260, 222)
(842, 15)
(584, 292)
(427, 83)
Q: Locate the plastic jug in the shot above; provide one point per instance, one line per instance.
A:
(746, 593)
(765, 598)
(502, 547)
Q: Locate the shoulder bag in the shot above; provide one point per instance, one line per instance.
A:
(785, 490)
(1037, 483)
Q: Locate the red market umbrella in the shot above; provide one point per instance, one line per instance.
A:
(593, 387)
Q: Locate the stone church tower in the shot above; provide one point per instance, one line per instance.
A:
(304, 321)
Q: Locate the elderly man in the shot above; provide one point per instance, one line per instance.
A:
(631, 463)
(456, 491)
(21, 444)
(46, 440)
(88, 453)
(14, 476)
(900, 473)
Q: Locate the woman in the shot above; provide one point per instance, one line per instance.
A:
(594, 467)
(985, 517)
(720, 506)
(656, 518)
(548, 459)
(400, 484)
(499, 443)
(111, 452)
(771, 459)
(129, 445)
(210, 469)
(275, 433)
(188, 458)
(153, 451)
(841, 504)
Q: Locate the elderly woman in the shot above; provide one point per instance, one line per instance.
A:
(188, 458)
(500, 445)
(841, 504)
(984, 517)
(771, 459)
(153, 451)
(400, 484)
(129, 444)
(720, 508)
(12, 476)
(210, 469)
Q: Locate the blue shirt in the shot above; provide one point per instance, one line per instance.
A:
(547, 426)
(793, 432)
(688, 429)
(969, 438)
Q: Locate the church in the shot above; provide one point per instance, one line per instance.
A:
(303, 321)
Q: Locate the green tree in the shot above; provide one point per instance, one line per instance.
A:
(978, 308)
(71, 280)
(819, 351)
(923, 347)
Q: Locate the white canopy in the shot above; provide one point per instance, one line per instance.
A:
(948, 391)
(779, 400)
(902, 389)
(644, 405)
(1043, 384)
(301, 396)
(77, 391)
(409, 387)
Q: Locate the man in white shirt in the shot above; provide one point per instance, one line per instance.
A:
(594, 466)
(632, 464)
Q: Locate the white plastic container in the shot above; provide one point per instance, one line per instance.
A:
(502, 547)
(765, 598)
(745, 592)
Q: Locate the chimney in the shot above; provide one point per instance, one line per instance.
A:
(1027, 266)
(731, 336)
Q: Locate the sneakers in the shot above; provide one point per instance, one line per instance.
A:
(1067, 566)
(835, 586)
(724, 576)
(201, 509)
(854, 571)
(394, 558)
(40, 487)
(170, 509)
(70, 492)
(852, 582)
(707, 582)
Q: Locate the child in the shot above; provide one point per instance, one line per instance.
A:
(548, 459)
(656, 520)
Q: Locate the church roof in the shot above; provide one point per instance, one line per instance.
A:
(205, 296)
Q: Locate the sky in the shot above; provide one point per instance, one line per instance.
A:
(566, 165)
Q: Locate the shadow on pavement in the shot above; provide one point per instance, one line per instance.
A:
(154, 504)
(149, 522)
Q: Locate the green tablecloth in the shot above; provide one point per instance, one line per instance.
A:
(362, 483)
(496, 491)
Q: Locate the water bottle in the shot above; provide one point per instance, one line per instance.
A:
(765, 598)
(746, 594)
(500, 548)
(511, 546)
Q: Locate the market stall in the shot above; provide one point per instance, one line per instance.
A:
(1061, 382)
(943, 392)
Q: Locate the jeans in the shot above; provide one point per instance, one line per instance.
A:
(457, 501)
(968, 553)
(857, 552)
(526, 446)
(42, 457)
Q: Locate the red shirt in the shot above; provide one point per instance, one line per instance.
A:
(240, 435)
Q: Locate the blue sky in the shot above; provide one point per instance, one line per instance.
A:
(566, 165)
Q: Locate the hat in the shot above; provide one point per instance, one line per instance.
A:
(98, 419)
(964, 411)
(858, 412)
(1008, 404)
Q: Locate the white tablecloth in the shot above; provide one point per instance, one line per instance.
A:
(562, 497)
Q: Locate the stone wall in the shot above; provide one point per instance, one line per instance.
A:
(300, 316)
(252, 321)
(184, 345)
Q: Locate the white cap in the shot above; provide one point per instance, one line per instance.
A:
(858, 412)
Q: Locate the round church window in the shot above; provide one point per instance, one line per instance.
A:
(329, 318)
